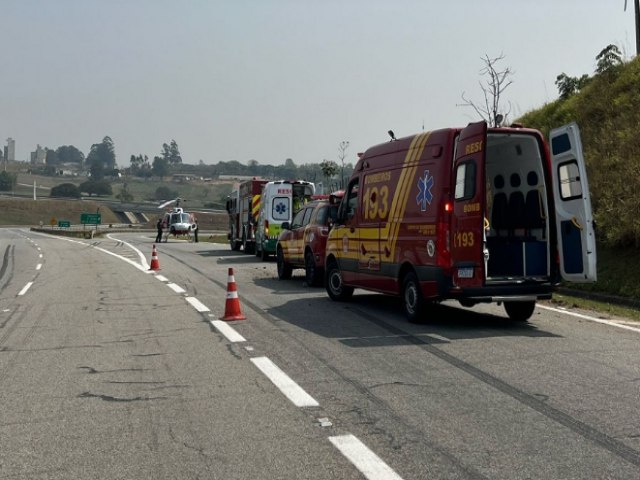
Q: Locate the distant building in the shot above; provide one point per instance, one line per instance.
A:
(10, 150)
(39, 156)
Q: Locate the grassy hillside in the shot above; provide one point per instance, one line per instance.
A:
(607, 111)
(25, 212)
(29, 212)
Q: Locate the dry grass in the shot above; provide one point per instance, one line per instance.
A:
(32, 212)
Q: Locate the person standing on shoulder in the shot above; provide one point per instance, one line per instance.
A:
(159, 234)
(195, 231)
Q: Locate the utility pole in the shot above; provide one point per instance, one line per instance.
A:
(636, 14)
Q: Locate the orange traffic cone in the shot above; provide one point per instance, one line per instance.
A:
(155, 264)
(232, 306)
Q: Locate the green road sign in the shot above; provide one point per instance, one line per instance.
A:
(64, 223)
(90, 218)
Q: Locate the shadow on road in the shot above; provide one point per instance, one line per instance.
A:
(358, 321)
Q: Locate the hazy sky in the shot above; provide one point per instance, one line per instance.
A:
(276, 79)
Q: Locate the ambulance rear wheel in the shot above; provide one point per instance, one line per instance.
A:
(412, 300)
(519, 311)
(284, 269)
(333, 283)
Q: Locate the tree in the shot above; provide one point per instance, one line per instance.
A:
(160, 167)
(567, 85)
(253, 166)
(140, 166)
(96, 187)
(289, 170)
(329, 169)
(171, 153)
(497, 81)
(608, 59)
(101, 158)
(69, 154)
(8, 181)
(65, 190)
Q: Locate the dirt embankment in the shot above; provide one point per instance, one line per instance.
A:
(32, 212)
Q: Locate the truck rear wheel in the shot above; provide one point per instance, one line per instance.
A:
(333, 283)
(284, 269)
(235, 245)
(412, 300)
(249, 247)
(520, 311)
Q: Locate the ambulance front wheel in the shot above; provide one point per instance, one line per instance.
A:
(520, 311)
(333, 281)
(412, 300)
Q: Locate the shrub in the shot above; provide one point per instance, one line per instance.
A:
(68, 190)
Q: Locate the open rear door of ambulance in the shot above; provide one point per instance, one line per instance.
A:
(574, 218)
(467, 223)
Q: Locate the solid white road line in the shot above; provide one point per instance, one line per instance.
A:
(143, 261)
(195, 303)
(591, 319)
(369, 464)
(288, 387)
(227, 331)
(176, 288)
(25, 288)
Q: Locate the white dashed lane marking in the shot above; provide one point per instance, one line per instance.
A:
(197, 304)
(25, 288)
(227, 331)
(287, 386)
(369, 464)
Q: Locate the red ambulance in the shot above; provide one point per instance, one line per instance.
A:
(474, 214)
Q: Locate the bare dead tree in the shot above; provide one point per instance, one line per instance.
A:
(493, 86)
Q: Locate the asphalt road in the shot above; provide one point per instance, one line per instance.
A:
(111, 371)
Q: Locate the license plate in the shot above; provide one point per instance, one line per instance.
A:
(466, 272)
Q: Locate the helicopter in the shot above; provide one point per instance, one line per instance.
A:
(176, 222)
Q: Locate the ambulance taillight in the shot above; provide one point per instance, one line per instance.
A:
(443, 240)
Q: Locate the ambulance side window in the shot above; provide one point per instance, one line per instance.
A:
(352, 200)
(465, 181)
(569, 178)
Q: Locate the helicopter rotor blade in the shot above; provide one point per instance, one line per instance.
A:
(166, 204)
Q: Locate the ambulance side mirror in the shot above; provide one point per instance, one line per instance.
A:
(286, 226)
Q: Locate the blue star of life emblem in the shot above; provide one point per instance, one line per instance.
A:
(281, 208)
(424, 196)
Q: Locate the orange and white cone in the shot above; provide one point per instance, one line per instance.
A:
(155, 264)
(232, 305)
